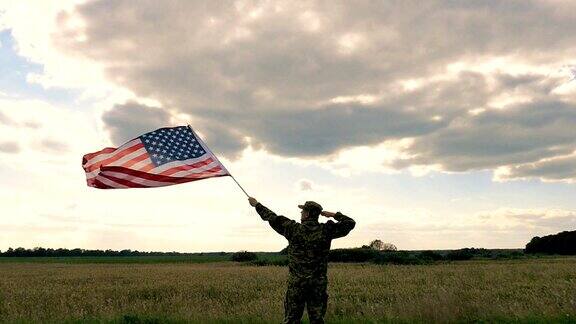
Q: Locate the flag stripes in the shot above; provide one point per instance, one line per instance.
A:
(133, 166)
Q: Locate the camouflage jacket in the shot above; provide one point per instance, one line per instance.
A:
(308, 242)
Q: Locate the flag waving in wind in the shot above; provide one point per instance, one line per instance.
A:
(164, 157)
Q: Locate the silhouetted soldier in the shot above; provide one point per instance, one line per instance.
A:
(308, 247)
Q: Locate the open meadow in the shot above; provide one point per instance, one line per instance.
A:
(528, 290)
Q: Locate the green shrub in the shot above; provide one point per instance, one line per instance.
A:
(460, 255)
(244, 256)
(267, 262)
(352, 255)
(430, 256)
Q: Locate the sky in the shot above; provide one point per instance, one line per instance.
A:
(433, 124)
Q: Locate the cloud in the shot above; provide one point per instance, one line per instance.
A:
(4, 119)
(301, 132)
(38, 229)
(44, 132)
(305, 185)
(53, 146)
(9, 147)
(503, 228)
(222, 140)
(316, 79)
(130, 120)
(553, 169)
(545, 221)
(519, 134)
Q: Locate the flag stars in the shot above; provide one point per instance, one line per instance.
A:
(172, 144)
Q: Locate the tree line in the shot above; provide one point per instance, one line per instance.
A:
(562, 243)
(376, 251)
(43, 252)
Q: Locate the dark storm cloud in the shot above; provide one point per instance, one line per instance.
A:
(268, 71)
(130, 120)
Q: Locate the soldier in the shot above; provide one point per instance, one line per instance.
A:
(308, 247)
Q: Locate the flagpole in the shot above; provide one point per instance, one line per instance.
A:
(208, 149)
(247, 195)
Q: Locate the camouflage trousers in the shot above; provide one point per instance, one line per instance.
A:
(306, 292)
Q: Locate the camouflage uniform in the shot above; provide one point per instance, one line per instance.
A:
(308, 247)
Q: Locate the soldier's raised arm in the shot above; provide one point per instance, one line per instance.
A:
(342, 227)
(282, 225)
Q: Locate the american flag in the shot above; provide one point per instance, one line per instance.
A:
(164, 157)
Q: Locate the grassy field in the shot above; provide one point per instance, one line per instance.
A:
(205, 258)
(534, 290)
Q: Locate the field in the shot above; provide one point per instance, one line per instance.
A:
(160, 290)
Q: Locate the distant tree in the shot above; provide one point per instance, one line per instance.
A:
(60, 252)
(39, 251)
(378, 245)
(389, 247)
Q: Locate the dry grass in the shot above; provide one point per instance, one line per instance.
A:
(526, 290)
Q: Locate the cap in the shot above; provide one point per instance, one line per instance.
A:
(311, 205)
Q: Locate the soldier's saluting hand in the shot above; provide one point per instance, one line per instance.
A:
(327, 214)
